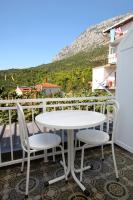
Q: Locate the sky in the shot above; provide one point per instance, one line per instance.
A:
(32, 32)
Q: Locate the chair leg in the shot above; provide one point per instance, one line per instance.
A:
(22, 166)
(82, 160)
(102, 153)
(62, 137)
(64, 162)
(114, 160)
(75, 145)
(76, 141)
(27, 176)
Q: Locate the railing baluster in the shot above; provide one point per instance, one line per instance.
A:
(10, 127)
(33, 121)
(44, 106)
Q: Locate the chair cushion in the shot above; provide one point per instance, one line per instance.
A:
(44, 141)
(92, 136)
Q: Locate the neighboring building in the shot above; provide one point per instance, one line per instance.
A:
(44, 88)
(105, 76)
(23, 89)
(48, 88)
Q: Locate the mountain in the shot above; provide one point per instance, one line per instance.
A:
(90, 38)
(72, 69)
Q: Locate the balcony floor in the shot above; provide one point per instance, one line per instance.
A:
(100, 181)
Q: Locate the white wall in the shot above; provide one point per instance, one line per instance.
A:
(124, 92)
(126, 27)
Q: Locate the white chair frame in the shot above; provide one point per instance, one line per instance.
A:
(114, 104)
(27, 148)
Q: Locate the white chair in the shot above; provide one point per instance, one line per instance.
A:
(93, 137)
(34, 143)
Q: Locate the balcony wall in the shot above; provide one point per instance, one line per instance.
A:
(124, 92)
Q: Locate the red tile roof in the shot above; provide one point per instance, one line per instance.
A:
(48, 85)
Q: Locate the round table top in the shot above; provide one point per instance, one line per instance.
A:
(70, 119)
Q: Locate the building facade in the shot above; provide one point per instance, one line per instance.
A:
(48, 88)
(105, 76)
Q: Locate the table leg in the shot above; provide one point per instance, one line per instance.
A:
(70, 167)
(71, 158)
(63, 176)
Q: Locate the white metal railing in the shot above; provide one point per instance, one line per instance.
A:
(10, 148)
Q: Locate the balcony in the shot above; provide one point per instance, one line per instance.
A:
(10, 141)
(112, 59)
(100, 181)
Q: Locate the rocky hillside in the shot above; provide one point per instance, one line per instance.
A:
(91, 37)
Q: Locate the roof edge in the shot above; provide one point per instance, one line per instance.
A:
(124, 21)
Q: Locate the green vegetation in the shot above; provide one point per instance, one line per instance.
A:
(73, 74)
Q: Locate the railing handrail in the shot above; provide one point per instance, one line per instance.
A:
(54, 99)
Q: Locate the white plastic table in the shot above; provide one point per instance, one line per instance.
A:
(70, 120)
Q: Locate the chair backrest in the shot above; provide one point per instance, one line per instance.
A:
(23, 128)
(112, 107)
